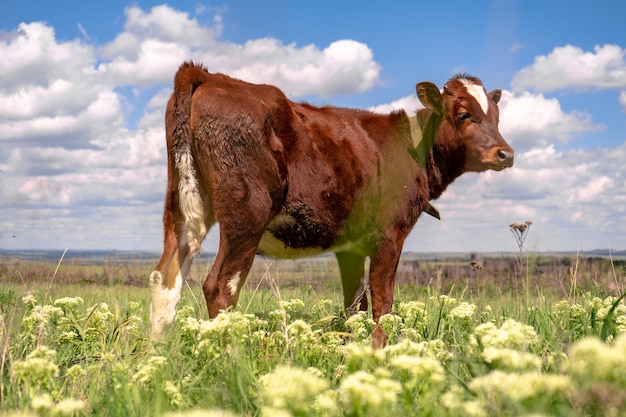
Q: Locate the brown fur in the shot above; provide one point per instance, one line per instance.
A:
(290, 179)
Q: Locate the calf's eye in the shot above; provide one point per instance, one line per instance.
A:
(463, 116)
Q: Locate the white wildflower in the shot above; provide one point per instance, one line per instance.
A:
(40, 317)
(511, 334)
(417, 372)
(360, 325)
(66, 337)
(299, 328)
(201, 413)
(100, 314)
(327, 404)
(68, 407)
(38, 370)
(435, 348)
(455, 401)
(290, 389)
(404, 347)
(150, 370)
(225, 325)
(314, 371)
(363, 393)
(42, 404)
(183, 313)
(413, 313)
(362, 356)
(463, 312)
(68, 303)
(578, 311)
(593, 361)
(173, 393)
(391, 325)
(134, 307)
(596, 304)
(561, 308)
(510, 359)
(75, 371)
(133, 323)
(291, 306)
(527, 387)
(445, 300)
(29, 300)
(621, 323)
(413, 335)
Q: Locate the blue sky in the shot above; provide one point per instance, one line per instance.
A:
(83, 87)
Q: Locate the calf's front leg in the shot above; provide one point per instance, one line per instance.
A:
(351, 268)
(383, 268)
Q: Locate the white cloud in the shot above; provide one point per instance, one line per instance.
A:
(410, 104)
(49, 95)
(530, 120)
(31, 56)
(61, 115)
(345, 66)
(33, 101)
(593, 188)
(568, 195)
(155, 63)
(156, 42)
(162, 23)
(569, 67)
(41, 189)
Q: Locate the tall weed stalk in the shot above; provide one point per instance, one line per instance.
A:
(520, 233)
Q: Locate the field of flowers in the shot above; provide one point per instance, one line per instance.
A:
(300, 356)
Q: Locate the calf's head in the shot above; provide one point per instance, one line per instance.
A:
(469, 119)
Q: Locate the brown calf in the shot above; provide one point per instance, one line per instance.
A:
(291, 180)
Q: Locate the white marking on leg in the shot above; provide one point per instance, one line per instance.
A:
(164, 301)
(478, 92)
(233, 283)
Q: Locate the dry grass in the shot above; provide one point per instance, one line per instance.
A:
(473, 274)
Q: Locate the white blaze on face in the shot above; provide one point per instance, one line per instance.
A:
(478, 92)
(233, 284)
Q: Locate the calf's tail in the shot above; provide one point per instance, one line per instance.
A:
(188, 78)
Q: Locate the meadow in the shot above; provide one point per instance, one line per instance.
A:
(479, 336)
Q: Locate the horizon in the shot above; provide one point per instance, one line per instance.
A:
(80, 253)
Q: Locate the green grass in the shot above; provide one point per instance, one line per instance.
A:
(475, 348)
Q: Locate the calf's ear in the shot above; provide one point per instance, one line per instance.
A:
(429, 120)
(430, 96)
(495, 95)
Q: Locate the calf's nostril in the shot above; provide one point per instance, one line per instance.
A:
(504, 155)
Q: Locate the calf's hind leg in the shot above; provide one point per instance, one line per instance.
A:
(229, 271)
(243, 210)
(179, 246)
